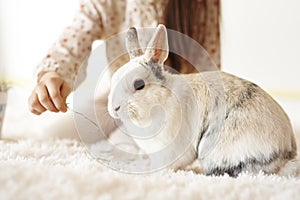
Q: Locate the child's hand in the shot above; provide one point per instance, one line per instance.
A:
(50, 93)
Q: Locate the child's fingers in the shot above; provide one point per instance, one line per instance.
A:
(34, 104)
(55, 95)
(45, 99)
(65, 91)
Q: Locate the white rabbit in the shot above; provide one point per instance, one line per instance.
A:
(212, 121)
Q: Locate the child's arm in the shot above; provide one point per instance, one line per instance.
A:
(59, 69)
(74, 45)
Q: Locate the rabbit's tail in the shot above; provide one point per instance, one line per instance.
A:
(291, 168)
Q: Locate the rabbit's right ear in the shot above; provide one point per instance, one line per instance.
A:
(132, 43)
(158, 47)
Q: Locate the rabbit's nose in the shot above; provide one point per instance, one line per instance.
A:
(117, 108)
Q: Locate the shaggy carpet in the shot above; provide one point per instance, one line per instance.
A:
(61, 169)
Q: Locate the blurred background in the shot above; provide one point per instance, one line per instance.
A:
(260, 42)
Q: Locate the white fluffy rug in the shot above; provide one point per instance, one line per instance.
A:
(60, 169)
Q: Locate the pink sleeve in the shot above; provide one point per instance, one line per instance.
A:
(73, 47)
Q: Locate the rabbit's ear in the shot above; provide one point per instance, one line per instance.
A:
(132, 43)
(158, 48)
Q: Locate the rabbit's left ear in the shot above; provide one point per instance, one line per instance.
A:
(132, 43)
(158, 48)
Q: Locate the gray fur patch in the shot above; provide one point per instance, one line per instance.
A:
(251, 164)
(204, 130)
(249, 93)
(156, 69)
(246, 95)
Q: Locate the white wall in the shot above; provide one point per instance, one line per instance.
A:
(28, 28)
(261, 42)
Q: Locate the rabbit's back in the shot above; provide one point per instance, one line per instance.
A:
(243, 127)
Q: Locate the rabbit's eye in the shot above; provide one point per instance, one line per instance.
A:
(139, 84)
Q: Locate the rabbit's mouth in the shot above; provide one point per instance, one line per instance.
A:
(138, 119)
(113, 111)
(133, 115)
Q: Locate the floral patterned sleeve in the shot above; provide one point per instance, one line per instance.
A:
(74, 45)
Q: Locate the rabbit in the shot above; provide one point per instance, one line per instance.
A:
(213, 122)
